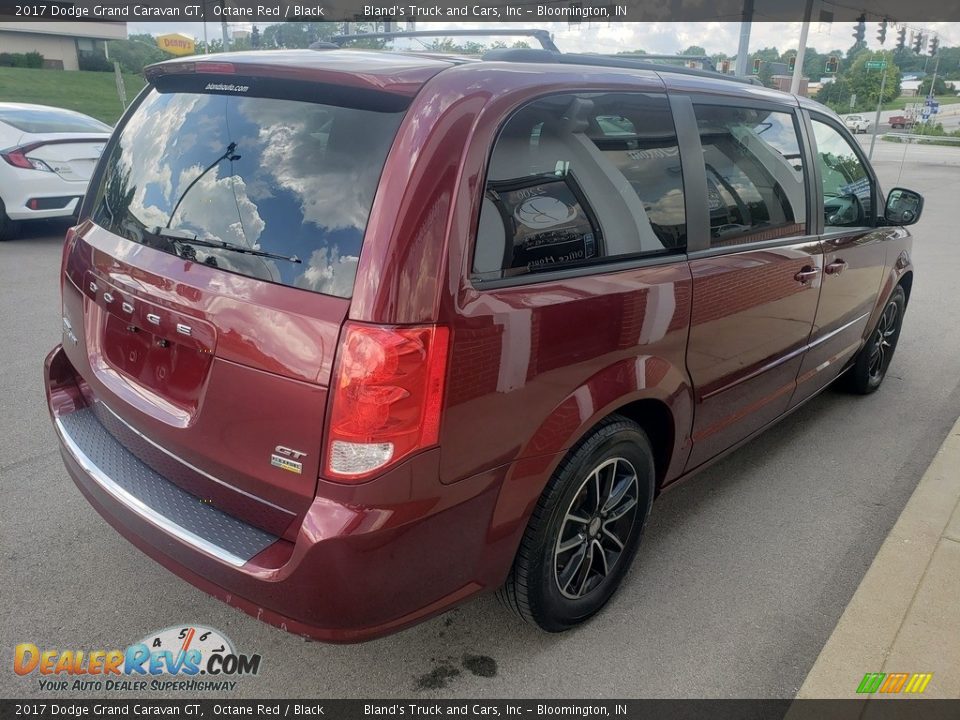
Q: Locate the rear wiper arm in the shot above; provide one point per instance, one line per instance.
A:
(181, 237)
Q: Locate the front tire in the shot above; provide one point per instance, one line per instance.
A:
(870, 366)
(585, 529)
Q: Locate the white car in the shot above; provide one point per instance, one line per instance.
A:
(46, 157)
(857, 123)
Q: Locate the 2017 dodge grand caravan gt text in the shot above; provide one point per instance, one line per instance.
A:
(351, 336)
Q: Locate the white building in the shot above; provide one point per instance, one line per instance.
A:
(60, 43)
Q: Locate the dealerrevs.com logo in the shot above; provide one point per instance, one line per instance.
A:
(180, 658)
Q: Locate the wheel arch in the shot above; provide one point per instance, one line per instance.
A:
(648, 389)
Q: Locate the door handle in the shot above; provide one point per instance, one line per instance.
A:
(836, 267)
(808, 273)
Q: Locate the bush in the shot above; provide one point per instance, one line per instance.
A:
(97, 63)
(21, 60)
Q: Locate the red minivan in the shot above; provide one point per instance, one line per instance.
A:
(352, 336)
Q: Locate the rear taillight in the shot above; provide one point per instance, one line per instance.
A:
(18, 158)
(387, 397)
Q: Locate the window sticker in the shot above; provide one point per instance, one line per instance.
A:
(548, 220)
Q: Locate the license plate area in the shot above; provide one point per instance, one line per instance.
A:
(157, 348)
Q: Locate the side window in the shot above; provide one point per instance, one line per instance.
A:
(755, 176)
(581, 178)
(847, 187)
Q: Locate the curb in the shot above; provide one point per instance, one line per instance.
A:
(905, 615)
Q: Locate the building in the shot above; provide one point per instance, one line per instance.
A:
(62, 44)
(910, 88)
(782, 82)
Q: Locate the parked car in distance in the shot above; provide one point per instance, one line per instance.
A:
(857, 123)
(352, 336)
(902, 121)
(47, 156)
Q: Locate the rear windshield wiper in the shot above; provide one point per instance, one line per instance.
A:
(180, 237)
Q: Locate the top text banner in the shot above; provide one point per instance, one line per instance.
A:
(520, 11)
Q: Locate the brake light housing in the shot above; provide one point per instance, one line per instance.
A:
(17, 157)
(387, 397)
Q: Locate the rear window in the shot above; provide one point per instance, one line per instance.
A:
(50, 120)
(289, 181)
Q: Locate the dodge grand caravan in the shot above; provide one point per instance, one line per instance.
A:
(352, 336)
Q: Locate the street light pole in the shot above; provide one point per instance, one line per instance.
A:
(744, 49)
(801, 50)
(876, 119)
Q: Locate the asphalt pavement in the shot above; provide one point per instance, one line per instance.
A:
(741, 579)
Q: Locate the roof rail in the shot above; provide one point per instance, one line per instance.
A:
(542, 36)
(705, 60)
(623, 61)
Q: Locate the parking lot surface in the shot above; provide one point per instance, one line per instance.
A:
(742, 576)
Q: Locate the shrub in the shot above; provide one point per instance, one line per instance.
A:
(21, 60)
(97, 63)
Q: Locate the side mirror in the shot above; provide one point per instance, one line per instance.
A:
(903, 207)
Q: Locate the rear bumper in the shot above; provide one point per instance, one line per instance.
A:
(353, 573)
(27, 185)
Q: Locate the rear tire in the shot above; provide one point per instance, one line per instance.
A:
(585, 529)
(9, 229)
(871, 363)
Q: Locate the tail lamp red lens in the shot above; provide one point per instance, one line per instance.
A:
(387, 397)
(18, 158)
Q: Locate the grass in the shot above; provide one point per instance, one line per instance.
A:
(901, 102)
(92, 93)
(929, 140)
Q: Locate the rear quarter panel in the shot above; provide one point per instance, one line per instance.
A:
(532, 367)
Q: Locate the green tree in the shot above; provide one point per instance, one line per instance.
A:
(693, 50)
(302, 34)
(836, 94)
(866, 83)
(136, 52)
(939, 87)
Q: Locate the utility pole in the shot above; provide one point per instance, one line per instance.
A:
(744, 49)
(801, 50)
(876, 119)
(223, 29)
(933, 82)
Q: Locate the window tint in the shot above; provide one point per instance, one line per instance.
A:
(289, 178)
(755, 174)
(50, 120)
(576, 179)
(847, 188)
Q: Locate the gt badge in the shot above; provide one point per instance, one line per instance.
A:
(287, 459)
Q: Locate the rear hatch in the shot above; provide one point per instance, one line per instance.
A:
(211, 282)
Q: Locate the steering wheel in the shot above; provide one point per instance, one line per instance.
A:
(842, 210)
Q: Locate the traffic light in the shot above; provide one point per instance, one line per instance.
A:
(882, 33)
(918, 43)
(756, 66)
(934, 44)
(833, 64)
(860, 33)
(725, 67)
(901, 39)
(792, 63)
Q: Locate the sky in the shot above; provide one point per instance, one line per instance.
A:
(666, 37)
